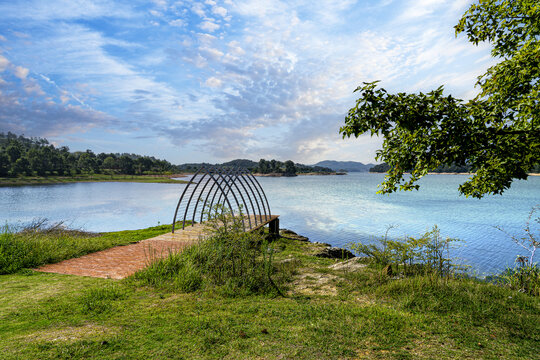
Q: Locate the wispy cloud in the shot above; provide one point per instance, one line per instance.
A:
(245, 78)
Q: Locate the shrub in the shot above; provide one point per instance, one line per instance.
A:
(428, 253)
(525, 276)
(229, 261)
(40, 243)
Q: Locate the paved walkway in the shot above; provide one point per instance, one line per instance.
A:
(122, 261)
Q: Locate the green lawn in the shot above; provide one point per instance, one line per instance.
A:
(326, 314)
(43, 180)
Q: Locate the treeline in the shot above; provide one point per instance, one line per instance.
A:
(287, 168)
(384, 167)
(21, 156)
(453, 168)
(263, 167)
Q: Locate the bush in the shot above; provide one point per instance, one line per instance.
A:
(41, 243)
(428, 254)
(229, 261)
(523, 278)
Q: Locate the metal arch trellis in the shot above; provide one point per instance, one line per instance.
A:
(235, 188)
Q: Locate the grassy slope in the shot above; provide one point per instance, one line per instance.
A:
(32, 249)
(327, 315)
(42, 180)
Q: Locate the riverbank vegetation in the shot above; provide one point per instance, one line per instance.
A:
(266, 167)
(42, 243)
(205, 304)
(28, 161)
(21, 156)
(46, 180)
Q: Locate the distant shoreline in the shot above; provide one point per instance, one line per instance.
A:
(299, 174)
(450, 173)
(51, 180)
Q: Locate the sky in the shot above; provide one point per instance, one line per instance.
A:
(215, 80)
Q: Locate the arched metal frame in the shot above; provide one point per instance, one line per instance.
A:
(234, 188)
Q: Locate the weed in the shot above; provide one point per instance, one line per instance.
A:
(427, 254)
(41, 243)
(229, 261)
(98, 300)
(525, 276)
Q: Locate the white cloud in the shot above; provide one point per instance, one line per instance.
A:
(4, 63)
(213, 82)
(209, 26)
(64, 9)
(2, 38)
(160, 3)
(211, 53)
(198, 9)
(218, 10)
(32, 87)
(177, 23)
(21, 72)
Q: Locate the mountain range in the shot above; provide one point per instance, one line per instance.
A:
(350, 166)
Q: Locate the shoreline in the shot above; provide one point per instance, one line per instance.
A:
(298, 174)
(450, 173)
(51, 180)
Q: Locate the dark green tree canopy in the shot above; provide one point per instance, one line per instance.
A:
(497, 133)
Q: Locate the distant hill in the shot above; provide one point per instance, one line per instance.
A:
(351, 166)
(243, 163)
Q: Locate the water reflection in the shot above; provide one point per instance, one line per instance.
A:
(332, 209)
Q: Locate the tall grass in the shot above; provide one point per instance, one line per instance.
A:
(229, 261)
(525, 275)
(41, 243)
(427, 254)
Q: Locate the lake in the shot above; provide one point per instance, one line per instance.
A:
(333, 209)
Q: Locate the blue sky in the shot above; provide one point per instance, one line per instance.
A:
(192, 81)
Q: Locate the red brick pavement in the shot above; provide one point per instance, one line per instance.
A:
(118, 262)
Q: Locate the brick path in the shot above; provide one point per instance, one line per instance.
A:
(122, 261)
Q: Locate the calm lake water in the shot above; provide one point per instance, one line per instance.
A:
(333, 209)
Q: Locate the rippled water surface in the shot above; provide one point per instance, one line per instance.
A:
(333, 209)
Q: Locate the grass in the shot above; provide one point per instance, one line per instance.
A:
(366, 315)
(45, 180)
(42, 244)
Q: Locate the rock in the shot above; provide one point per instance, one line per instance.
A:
(335, 253)
(292, 235)
(321, 243)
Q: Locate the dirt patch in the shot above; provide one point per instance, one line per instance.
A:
(312, 283)
(71, 333)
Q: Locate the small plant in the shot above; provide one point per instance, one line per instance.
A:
(427, 254)
(531, 240)
(525, 275)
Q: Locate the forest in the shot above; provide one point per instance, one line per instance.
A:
(22, 156)
(33, 156)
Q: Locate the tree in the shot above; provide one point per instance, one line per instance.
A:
(109, 163)
(87, 162)
(497, 133)
(263, 166)
(290, 169)
(4, 164)
(125, 163)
